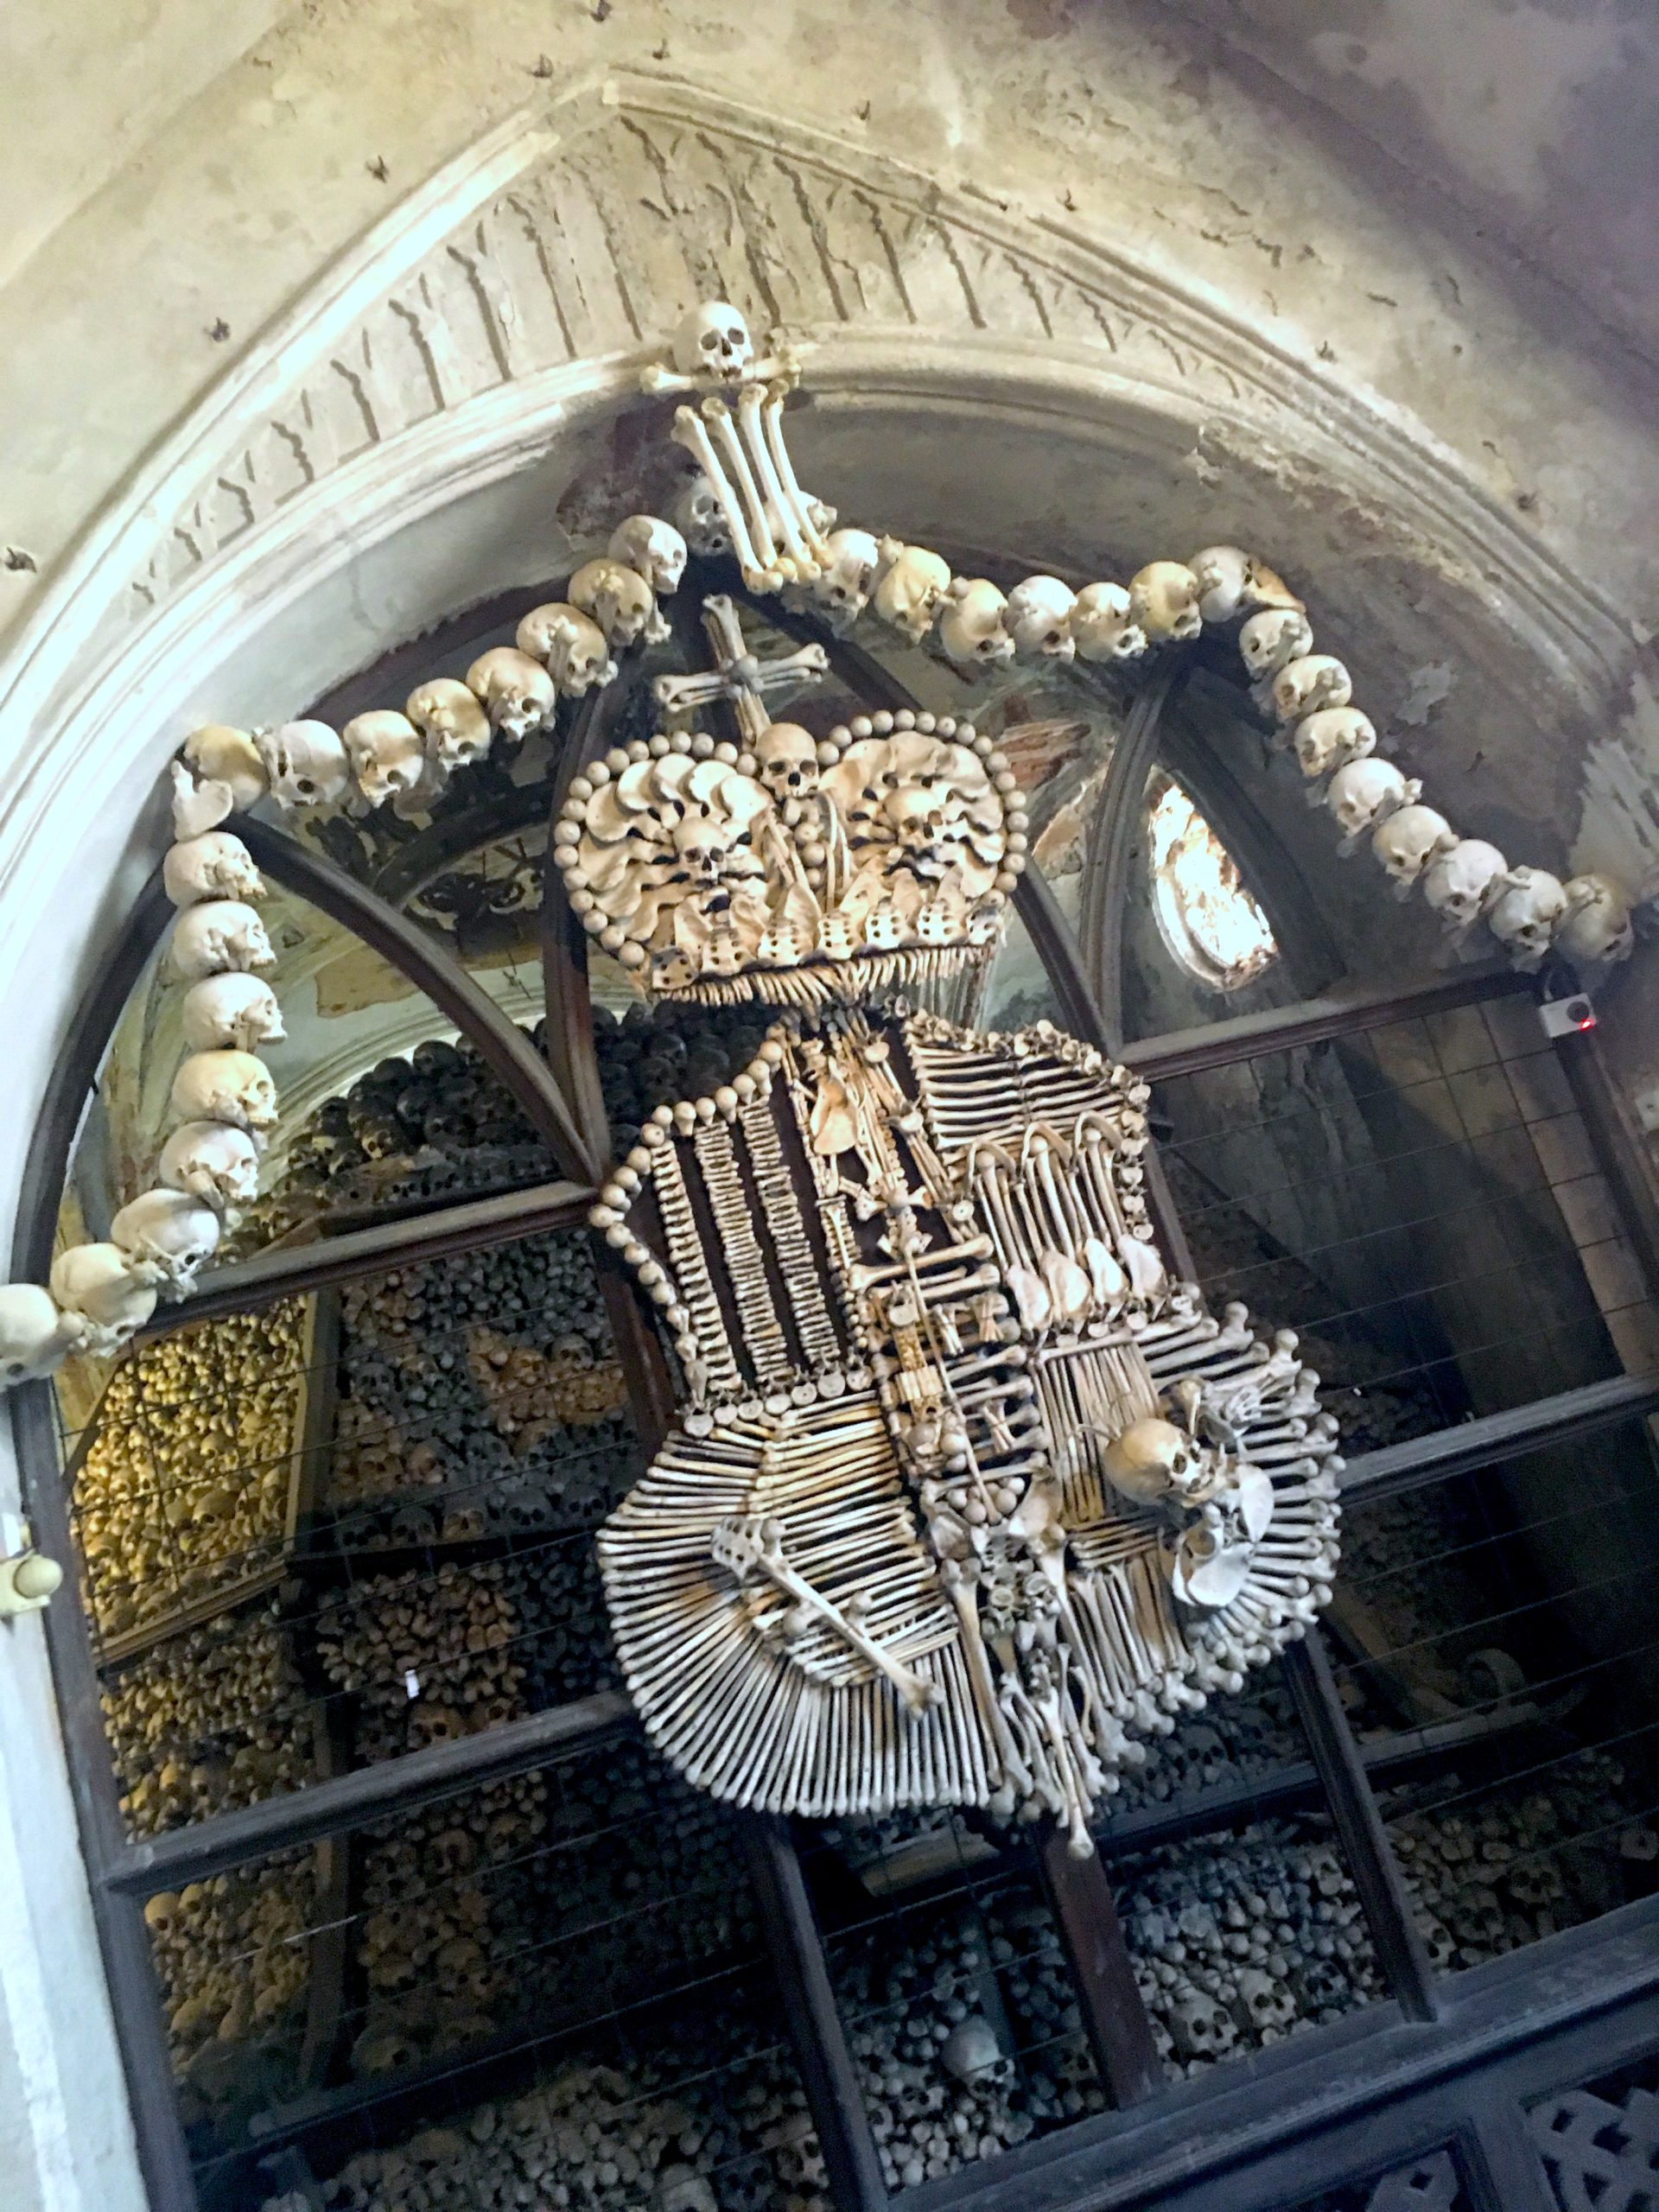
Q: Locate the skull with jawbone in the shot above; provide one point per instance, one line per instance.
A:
(786, 760)
(713, 340)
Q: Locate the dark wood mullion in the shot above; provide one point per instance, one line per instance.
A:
(500, 1043)
(1119, 820)
(371, 1793)
(1344, 1011)
(289, 1270)
(1621, 1156)
(1370, 1859)
(1567, 1417)
(828, 2074)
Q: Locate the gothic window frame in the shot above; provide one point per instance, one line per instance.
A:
(1596, 1981)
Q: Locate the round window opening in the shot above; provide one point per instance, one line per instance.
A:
(1210, 922)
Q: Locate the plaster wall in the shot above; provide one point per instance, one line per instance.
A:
(1028, 235)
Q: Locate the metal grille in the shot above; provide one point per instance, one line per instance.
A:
(1600, 2144)
(1430, 2183)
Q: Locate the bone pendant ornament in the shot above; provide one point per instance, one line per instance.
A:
(952, 1485)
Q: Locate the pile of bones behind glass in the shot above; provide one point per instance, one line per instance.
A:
(745, 499)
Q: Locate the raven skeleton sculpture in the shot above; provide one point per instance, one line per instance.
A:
(966, 1492)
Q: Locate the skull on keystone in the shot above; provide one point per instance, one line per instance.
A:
(713, 340)
(786, 758)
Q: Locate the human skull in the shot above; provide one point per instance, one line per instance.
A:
(702, 844)
(701, 518)
(220, 754)
(1526, 913)
(654, 548)
(387, 753)
(1597, 924)
(103, 1286)
(1231, 582)
(972, 2054)
(971, 627)
(1038, 618)
(843, 584)
(230, 1011)
(1272, 639)
(216, 865)
(1364, 793)
(1206, 1571)
(713, 340)
(1197, 2026)
(1330, 738)
(306, 763)
(681, 2189)
(198, 807)
(1262, 2005)
(912, 589)
(1408, 841)
(1310, 681)
(1151, 1460)
(1164, 601)
(570, 643)
(455, 728)
(168, 1235)
(35, 1337)
(1102, 626)
(516, 692)
(616, 596)
(1458, 882)
(786, 758)
(212, 1161)
(220, 935)
(226, 1086)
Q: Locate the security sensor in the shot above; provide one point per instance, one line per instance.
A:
(1564, 1017)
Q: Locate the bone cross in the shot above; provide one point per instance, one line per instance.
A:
(738, 677)
(747, 1547)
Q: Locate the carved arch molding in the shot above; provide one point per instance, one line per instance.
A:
(515, 291)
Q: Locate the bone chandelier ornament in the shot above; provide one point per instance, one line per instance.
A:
(965, 1492)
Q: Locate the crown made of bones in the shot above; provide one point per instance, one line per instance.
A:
(795, 869)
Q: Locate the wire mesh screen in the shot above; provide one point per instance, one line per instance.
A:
(1396, 1198)
(1505, 1618)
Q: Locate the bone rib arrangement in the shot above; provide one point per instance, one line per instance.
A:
(1019, 1501)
